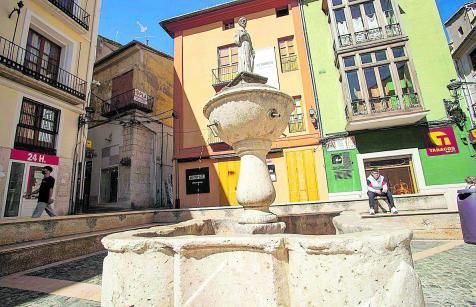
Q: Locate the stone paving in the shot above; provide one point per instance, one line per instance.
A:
(448, 278)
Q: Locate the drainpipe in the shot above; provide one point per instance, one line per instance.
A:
(311, 68)
(84, 129)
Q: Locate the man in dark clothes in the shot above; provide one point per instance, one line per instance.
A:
(45, 193)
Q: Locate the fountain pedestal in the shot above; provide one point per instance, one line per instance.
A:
(249, 115)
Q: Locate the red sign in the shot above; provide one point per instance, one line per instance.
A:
(34, 157)
(472, 136)
(441, 141)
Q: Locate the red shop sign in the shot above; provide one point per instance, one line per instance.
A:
(441, 141)
(35, 157)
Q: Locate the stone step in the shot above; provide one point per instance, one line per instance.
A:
(24, 256)
(425, 224)
(29, 229)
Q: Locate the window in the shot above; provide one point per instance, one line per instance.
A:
(283, 11)
(460, 31)
(386, 81)
(296, 120)
(287, 54)
(227, 63)
(363, 21)
(228, 24)
(37, 128)
(472, 57)
(42, 56)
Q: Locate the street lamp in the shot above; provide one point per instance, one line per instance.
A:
(84, 119)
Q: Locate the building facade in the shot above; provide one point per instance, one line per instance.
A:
(205, 61)
(462, 33)
(130, 142)
(47, 51)
(381, 84)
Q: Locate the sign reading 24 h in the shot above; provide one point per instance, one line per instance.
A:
(441, 141)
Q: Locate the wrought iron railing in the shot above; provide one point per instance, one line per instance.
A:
(289, 63)
(212, 138)
(130, 100)
(384, 104)
(365, 36)
(296, 123)
(393, 30)
(224, 74)
(20, 59)
(345, 40)
(381, 105)
(73, 10)
(368, 35)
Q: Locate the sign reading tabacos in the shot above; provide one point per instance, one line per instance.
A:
(441, 141)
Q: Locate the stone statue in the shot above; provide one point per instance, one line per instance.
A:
(246, 53)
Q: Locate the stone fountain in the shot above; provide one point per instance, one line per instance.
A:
(251, 261)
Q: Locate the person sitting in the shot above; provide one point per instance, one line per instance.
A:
(471, 181)
(377, 185)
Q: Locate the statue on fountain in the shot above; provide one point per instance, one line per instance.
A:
(246, 53)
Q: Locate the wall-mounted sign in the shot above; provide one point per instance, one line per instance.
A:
(472, 136)
(265, 65)
(89, 144)
(140, 96)
(198, 180)
(441, 141)
(35, 157)
(341, 144)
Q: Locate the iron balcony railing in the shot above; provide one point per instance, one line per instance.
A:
(130, 100)
(74, 11)
(296, 123)
(289, 63)
(212, 138)
(360, 37)
(224, 74)
(359, 108)
(24, 61)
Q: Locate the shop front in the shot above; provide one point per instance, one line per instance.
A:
(24, 176)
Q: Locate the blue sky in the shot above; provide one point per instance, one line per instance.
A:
(119, 18)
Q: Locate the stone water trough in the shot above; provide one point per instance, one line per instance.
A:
(205, 263)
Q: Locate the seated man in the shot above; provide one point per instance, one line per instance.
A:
(377, 185)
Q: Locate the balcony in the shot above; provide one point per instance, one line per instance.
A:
(366, 36)
(21, 60)
(212, 138)
(74, 11)
(224, 75)
(289, 63)
(130, 100)
(296, 124)
(384, 112)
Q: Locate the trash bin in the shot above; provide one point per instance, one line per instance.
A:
(467, 214)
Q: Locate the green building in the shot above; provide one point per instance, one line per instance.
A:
(381, 70)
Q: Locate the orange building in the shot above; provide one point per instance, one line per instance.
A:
(205, 60)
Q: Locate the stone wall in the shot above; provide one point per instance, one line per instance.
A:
(4, 158)
(63, 186)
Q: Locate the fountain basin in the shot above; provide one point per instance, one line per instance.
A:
(205, 263)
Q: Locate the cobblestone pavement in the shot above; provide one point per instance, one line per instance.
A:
(448, 278)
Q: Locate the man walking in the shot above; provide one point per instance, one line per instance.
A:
(45, 193)
(377, 185)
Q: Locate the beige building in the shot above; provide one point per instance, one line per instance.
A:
(47, 51)
(129, 159)
(462, 33)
